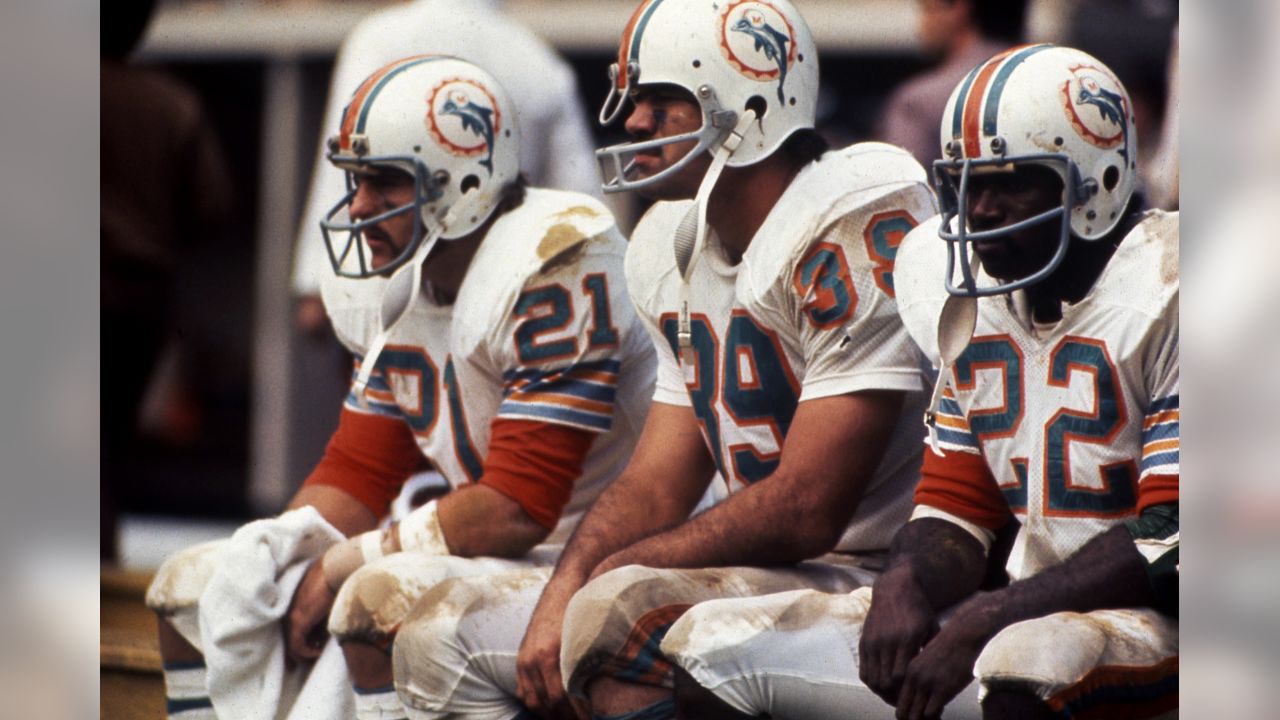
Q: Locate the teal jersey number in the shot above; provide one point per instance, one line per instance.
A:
(758, 389)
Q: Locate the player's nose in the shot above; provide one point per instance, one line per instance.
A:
(642, 121)
(366, 202)
(984, 205)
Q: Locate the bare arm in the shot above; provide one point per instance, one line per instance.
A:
(801, 510)
(669, 470)
(337, 506)
(478, 520)
(1107, 572)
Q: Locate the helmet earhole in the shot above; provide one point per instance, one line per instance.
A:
(469, 183)
(697, 63)
(758, 105)
(793, 101)
(1110, 177)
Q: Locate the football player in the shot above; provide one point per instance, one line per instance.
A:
(493, 337)
(1052, 309)
(764, 278)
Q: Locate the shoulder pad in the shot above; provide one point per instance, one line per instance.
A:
(1143, 272)
(847, 185)
(532, 240)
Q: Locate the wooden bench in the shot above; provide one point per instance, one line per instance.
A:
(132, 682)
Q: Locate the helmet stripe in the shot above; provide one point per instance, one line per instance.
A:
(972, 101)
(357, 111)
(957, 112)
(990, 114)
(630, 48)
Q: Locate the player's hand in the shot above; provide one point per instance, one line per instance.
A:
(899, 622)
(538, 681)
(306, 624)
(944, 667)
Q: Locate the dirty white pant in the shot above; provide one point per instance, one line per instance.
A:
(795, 655)
(455, 655)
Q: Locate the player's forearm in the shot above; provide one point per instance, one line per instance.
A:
(337, 506)
(774, 522)
(626, 513)
(478, 521)
(1108, 572)
(940, 558)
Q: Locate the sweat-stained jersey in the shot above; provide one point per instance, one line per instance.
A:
(1077, 422)
(541, 330)
(807, 313)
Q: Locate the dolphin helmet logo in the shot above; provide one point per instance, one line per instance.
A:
(758, 41)
(1105, 125)
(464, 119)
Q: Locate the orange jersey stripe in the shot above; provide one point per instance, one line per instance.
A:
(952, 422)
(563, 400)
(1160, 417)
(1159, 446)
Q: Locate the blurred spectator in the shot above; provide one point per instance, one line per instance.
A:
(558, 148)
(164, 185)
(955, 35)
(1160, 170)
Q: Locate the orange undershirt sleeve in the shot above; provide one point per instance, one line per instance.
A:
(369, 457)
(961, 483)
(536, 464)
(1157, 490)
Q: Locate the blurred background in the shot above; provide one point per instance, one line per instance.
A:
(242, 393)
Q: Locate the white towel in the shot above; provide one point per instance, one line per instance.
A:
(240, 614)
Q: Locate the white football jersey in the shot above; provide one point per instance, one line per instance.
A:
(541, 329)
(807, 313)
(1073, 420)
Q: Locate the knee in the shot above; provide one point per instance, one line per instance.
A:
(182, 578)
(1057, 658)
(437, 614)
(371, 605)
(741, 633)
(429, 655)
(1037, 657)
(612, 603)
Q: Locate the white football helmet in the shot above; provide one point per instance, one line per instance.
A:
(1045, 105)
(732, 56)
(446, 123)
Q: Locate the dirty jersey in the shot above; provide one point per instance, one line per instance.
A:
(1078, 422)
(808, 312)
(541, 330)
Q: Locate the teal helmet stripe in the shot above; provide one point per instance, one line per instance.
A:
(957, 112)
(368, 101)
(634, 53)
(990, 113)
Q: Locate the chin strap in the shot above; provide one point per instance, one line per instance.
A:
(691, 233)
(956, 325)
(398, 296)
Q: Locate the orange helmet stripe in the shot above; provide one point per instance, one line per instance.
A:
(629, 48)
(363, 94)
